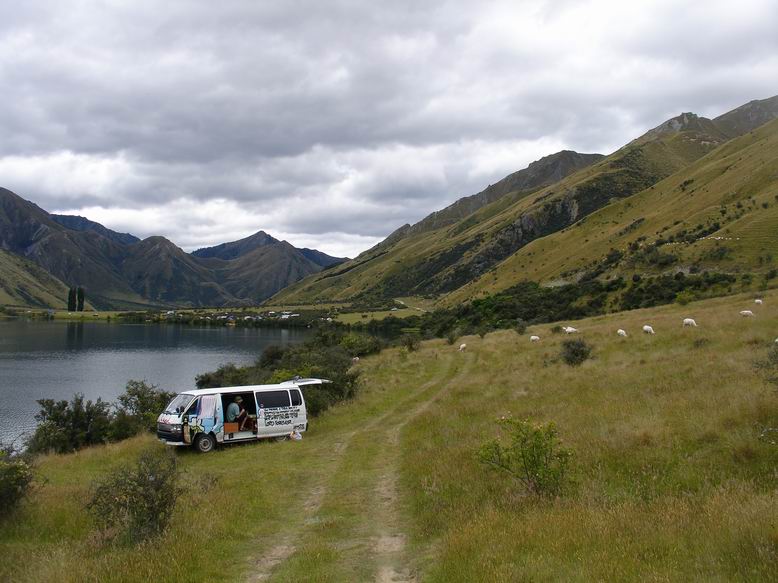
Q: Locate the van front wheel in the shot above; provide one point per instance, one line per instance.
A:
(205, 442)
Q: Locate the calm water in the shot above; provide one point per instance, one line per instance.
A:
(56, 359)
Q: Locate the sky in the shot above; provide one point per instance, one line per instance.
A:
(332, 123)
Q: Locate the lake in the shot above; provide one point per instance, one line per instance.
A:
(51, 359)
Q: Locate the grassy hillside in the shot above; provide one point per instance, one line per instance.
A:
(444, 259)
(23, 283)
(674, 479)
(445, 255)
(720, 213)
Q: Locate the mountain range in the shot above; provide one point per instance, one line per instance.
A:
(536, 223)
(121, 271)
(704, 190)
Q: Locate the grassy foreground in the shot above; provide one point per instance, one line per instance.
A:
(672, 480)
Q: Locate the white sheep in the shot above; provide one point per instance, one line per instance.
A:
(648, 329)
(746, 313)
(462, 347)
(355, 360)
(776, 340)
(689, 322)
(758, 302)
(570, 330)
(534, 338)
(622, 333)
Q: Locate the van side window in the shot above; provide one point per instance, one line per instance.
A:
(192, 410)
(269, 399)
(296, 398)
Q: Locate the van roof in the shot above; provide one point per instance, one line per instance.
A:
(301, 383)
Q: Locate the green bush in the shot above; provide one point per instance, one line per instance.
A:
(521, 326)
(768, 366)
(575, 352)
(410, 342)
(360, 344)
(16, 477)
(143, 403)
(68, 426)
(136, 503)
(533, 456)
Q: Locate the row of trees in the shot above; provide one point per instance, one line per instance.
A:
(76, 299)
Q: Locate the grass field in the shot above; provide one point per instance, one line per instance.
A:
(671, 480)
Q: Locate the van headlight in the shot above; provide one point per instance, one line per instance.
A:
(178, 428)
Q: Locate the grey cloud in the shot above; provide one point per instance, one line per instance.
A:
(366, 115)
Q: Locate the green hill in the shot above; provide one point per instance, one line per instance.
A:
(673, 474)
(441, 260)
(23, 283)
(720, 213)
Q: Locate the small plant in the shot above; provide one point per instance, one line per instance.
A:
(411, 342)
(533, 456)
(768, 366)
(451, 337)
(521, 326)
(136, 503)
(575, 352)
(16, 477)
(556, 329)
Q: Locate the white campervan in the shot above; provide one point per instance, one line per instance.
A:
(205, 417)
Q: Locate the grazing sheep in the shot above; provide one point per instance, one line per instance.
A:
(648, 329)
(776, 340)
(689, 322)
(462, 347)
(570, 330)
(355, 360)
(746, 313)
(622, 333)
(534, 338)
(758, 302)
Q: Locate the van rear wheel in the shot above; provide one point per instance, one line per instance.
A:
(205, 442)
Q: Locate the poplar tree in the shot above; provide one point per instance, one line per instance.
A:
(72, 299)
(80, 296)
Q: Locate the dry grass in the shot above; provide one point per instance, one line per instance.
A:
(672, 482)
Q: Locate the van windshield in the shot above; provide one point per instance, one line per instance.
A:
(178, 404)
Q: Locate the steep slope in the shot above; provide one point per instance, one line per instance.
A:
(543, 172)
(442, 260)
(719, 214)
(77, 223)
(165, 274)
(748, 117)
(259, 274)
(23, 283)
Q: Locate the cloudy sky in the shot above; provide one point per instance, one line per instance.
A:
(331, 123)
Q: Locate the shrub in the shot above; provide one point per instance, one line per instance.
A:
(556, 329)
(360, 344)
(768, 366)
(521, 326)
(136, 503)
(575, 352)
(451, 337)
(66, 427)
(411, 342)
(533, 456)
(16, 478)
(143, 403)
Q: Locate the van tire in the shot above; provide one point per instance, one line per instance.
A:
(205, 442)
(280, 438)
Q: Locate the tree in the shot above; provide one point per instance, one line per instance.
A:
(80, 296)
(72, 299)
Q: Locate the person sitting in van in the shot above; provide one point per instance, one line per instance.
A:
(236, 413)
